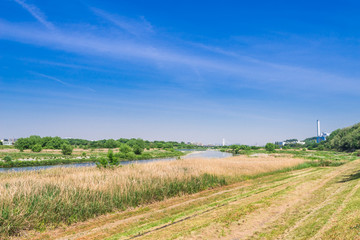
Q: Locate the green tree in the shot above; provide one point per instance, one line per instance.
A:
(124, 148)
(102, 162)
(66, 149)
(36, 148)
(113, 160)
(7, 159)
(111, 143)
(138, 150)
(270, 147)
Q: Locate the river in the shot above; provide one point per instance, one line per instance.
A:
(193, 154)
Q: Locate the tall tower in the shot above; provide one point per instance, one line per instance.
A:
(318, 131)
(223, 142)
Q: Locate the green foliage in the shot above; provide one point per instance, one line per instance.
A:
(36, 148)
(42, 211)
(45, 142)
(66, 149)
(44, 159)
(346, 139)
(83, 154)
(7, 159)
(34, 163)
(240, 149)
(57, 142)
(270, 147)
(138, 149)
(320, 148)
(124, 148)
(111, 143)
(111, 160)
(102, 163)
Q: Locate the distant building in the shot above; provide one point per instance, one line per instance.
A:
(289, 142)
(321, 136)
(8, 142)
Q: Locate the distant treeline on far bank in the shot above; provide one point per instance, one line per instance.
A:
(57, 143)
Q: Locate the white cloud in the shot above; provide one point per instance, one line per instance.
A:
(62, 82)
(234, 72)
(131, 26)
(36, 13)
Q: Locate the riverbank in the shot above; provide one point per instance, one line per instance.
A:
(69, 160)
(41, 199)
(311, 203)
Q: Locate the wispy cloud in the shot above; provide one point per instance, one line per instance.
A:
(233, 72)
(134, 27)
(36, 13)
(62, 82)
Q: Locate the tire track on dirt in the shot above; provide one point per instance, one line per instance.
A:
(321, 205)
(264, 217)
(103, 228)
(331, 221)
(250, 198)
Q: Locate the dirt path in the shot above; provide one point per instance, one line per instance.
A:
(294, 205)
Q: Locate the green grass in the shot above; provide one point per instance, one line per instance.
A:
(6, 147)
(48, 206)
(53, 206)
(46, 159)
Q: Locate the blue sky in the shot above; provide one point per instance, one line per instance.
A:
(250, 72)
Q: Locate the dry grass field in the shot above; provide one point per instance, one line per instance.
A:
(43, 199)
(263, 197)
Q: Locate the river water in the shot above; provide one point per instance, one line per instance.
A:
(194, 154)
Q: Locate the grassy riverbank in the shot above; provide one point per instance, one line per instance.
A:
(43, 199)
(55, 159)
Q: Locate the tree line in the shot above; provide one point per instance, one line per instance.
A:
(345, 139)
(37, 143)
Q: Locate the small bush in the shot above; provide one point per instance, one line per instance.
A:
(270, 147)
(66, 149)
(138, 150)
(124, 148)
(36, 148)
(130, 156)
(7, 159)
(102, 163)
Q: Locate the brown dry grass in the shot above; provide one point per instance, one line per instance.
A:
(68, 195)
(95, 179)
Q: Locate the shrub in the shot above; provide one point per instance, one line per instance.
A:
(124, 148)
(138, 150)
(102, 162)
(130, 156)
(270, 147)
(83, 154)
(66, 149)
(7, 159)
(321, 148)
(113, 159)
(110, 161)
(36, 148)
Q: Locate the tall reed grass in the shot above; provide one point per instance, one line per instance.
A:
(36, 200)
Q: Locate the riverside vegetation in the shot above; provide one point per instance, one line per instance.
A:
(46, 159)
(37, 151)
(45, 199)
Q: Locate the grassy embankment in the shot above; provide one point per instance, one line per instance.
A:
(45, 199)
(28, 159)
